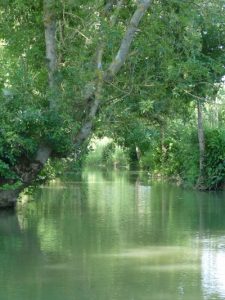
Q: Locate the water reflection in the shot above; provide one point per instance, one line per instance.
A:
(116, 236)
(213, 272)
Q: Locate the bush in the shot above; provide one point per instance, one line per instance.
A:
(179, 156)
(215, 158)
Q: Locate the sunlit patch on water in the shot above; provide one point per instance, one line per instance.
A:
(169, 259)
(213, 268)
(170, 268)
(162, 251)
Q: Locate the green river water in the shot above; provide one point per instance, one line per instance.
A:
(114, 236)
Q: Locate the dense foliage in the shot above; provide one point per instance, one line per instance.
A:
(176, 62)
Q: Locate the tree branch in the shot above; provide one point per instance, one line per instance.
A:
(93, 95)
(121, 56)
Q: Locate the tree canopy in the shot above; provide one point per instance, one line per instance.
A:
(72, 68)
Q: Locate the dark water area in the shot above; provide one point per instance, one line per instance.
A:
(114, 236)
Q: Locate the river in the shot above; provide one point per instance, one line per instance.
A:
(114, 236)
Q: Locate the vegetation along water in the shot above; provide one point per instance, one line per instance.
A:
(125, 84)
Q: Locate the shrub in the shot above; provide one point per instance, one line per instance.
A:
(215, 158)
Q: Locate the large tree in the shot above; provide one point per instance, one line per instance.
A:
(49, 105)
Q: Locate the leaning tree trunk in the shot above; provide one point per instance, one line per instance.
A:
(27, 171)
(201, 141)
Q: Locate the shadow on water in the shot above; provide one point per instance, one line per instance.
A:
(9, 223)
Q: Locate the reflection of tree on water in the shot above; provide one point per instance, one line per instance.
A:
(142, 177)
(18, 247)
(213, 271)
(107, 175)
(211, 242)
(8, 224)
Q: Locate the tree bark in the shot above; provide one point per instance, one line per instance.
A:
(50, 46)
(201, 141)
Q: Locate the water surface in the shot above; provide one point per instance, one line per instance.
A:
(114, 236)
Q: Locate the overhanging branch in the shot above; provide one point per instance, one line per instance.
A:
(114, 67)
(121, 56)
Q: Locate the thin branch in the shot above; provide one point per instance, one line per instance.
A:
(194, 96)
(74, 16)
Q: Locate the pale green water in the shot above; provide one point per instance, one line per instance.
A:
(114, 236)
